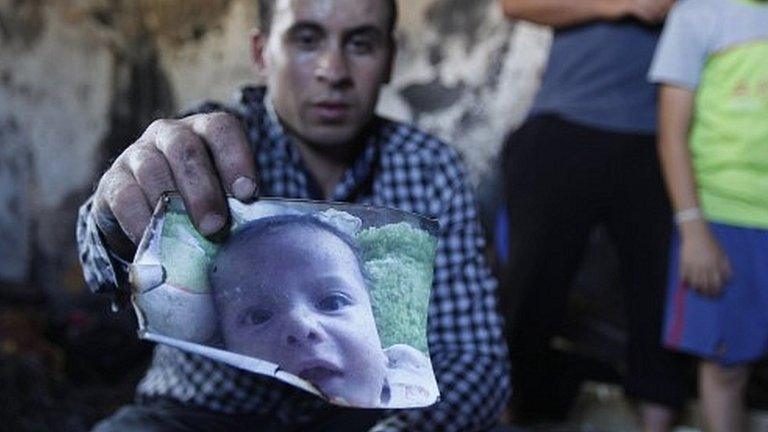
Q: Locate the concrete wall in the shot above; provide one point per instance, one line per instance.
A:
(79, 79)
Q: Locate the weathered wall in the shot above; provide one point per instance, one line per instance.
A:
(80, 78)
(465, 73)
(55, 97)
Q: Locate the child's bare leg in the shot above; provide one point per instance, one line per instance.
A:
(656, 418)
(722, 392)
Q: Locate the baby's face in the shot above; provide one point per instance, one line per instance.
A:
(301, 302)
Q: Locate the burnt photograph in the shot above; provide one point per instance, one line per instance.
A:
(331, 298)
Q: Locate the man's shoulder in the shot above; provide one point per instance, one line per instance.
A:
(245, 101)
(403, 140)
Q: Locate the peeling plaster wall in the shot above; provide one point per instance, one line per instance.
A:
(79, 80)
(216, 64)
(465, 74)
(55, 88)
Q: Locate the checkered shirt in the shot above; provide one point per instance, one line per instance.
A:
(399, 167)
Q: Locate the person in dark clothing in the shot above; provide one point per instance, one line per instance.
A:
(586, 155)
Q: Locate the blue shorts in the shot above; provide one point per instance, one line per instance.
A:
(732, 328)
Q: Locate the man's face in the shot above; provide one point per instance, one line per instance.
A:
(302, 304)
(325, 62)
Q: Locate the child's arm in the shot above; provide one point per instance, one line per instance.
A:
(703, 264)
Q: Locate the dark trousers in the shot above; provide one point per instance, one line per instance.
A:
(562, 179)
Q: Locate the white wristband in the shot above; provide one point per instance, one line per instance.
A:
(687, 215)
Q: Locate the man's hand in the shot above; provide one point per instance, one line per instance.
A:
(203, 157)
(703, 264)
(650, 11)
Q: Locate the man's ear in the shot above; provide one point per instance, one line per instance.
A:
(258, 44)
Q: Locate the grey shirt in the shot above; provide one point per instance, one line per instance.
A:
(596, 77)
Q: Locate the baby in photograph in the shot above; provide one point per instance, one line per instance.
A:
(292, 290)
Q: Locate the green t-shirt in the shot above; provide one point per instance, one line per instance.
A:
(719, 48)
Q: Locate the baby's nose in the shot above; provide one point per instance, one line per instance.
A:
(301, 328)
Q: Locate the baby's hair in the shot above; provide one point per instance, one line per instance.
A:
(275, 225)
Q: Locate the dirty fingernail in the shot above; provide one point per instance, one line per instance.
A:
(243, 188)
(211, 224)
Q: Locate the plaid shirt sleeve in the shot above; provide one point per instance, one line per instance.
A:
(468, 351)
(103, 272)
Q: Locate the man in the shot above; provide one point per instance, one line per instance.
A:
(311, 134)
(586, 155)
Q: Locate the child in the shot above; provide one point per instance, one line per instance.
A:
(291, 290)
(712, 64)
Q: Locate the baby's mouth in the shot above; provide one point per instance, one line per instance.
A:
(319, 372)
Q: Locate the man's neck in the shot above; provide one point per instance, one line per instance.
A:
(327, 166)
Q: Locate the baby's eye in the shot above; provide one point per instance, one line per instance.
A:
(334, 302)
(255, 316)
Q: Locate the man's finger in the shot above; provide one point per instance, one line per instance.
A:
(126, 202)
(151, 171)
(194, 175)
(230, 151)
